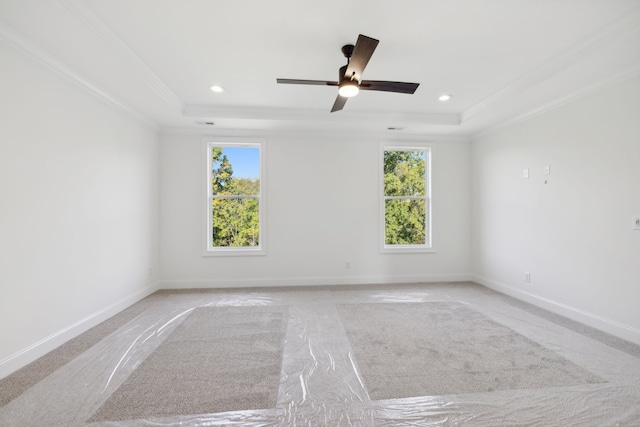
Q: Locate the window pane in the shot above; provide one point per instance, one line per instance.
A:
(404, 173)
(235, 222)
(404, 222)
(235, 171)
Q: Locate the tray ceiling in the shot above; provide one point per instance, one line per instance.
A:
(156, 59)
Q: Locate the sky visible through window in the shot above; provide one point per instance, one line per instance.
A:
(244, 160)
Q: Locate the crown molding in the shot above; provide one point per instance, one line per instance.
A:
(287, 114)
(618, 29)
(620, 77)
(30, 49)
(91, 20)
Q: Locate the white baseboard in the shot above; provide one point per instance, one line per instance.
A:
(612, 327)
(310, 281)
(25, 356)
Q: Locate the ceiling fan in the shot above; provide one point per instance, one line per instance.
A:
(350, 76)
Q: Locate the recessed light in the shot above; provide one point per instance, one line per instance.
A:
(445, 97)
(217, 89)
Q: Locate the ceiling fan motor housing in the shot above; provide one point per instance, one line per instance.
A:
(341, 74)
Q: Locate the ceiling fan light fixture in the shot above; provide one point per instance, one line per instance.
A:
(348, 89)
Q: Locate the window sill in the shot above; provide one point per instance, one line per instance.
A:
(224, 252)
(406, 250)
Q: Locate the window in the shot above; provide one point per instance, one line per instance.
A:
(235, 203)
(406, 199)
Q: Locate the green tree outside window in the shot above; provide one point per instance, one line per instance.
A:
(405, 197)
(235, 214)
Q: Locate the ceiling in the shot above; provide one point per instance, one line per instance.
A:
(500, 59)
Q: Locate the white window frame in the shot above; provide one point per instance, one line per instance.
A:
(427, 247)
(209, 249)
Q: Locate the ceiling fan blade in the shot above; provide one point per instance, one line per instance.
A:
(385, 86)
(361, 55)
(307, 82)
(339, 104)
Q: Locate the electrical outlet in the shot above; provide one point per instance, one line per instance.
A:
(635, 222)
(347, 265)
(150, 272)
(527, 277)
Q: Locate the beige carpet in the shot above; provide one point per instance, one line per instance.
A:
(422, 349)
(20, 381)
(217, 360)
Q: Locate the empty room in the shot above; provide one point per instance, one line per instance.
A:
(338, 213)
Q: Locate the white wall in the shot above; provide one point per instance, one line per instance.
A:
(78, 210)
(573, 234)
(323, 210)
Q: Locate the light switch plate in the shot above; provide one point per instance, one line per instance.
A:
(547, 170)
(525, 173)
(635, 222)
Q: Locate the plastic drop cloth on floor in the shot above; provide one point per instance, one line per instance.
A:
(321, 381)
